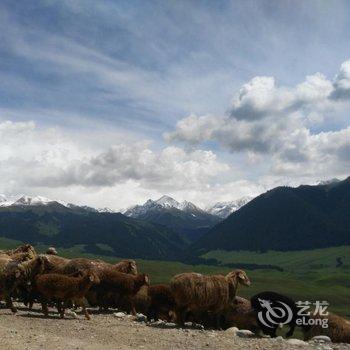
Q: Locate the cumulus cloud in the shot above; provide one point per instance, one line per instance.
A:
(260, 97)
(342, 82)
(33, 157)
(265, 119)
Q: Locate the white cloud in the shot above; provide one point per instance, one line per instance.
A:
(41, 159)
(278, 122)
(342, 82)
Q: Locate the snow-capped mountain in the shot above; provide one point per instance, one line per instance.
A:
(224, 209)
(38, 200)
(165, 202)
(184, 217)
(27, 201)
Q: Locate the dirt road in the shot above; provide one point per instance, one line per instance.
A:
(30, 330)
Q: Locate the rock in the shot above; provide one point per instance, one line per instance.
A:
(119, 314)
(71, 313)
(297, 342)
(321, 339)
(232, 330)
(279, 338)
(244, 333)
(141, 318)
(162, 324)
(169, 325)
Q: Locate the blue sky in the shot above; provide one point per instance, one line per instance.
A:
(102, 73)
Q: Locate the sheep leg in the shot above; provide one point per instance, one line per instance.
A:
(9, 303)
(180, 316)
(44, 308)
(291, 330)
(83, 303)
(133, 310)
(217, 320)
(61, 308)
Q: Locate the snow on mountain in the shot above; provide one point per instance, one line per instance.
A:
(105, 210)
(168, 202)
(6, 201)
(163, 202)
(224, 209)
(24, 200)
(38, 200)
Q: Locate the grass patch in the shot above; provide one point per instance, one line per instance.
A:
(309, 275)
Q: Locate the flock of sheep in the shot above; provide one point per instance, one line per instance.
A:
(64, 283)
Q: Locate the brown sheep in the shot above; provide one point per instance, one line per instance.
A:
(68, 266)
(64, 289)
(196, 293)
(126, 266)
(17, 275)
(115, 288)
(162, 302)
(51, 251)
(338, 328)
(155, 301)
(27, 248)
(241, 315)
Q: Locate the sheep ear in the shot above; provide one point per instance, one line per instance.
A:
(17, 274)
(146, 279)
(241, 275)
(91, 277)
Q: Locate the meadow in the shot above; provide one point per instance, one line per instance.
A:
(307, 275)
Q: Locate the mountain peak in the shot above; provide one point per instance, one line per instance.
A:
(38, 200)
(168, 202)
(224, 209)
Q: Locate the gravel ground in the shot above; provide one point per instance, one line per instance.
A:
(30, 330)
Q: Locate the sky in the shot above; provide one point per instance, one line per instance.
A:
(109, 103)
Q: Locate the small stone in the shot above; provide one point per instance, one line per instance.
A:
(297, 342)
(119, 314)
(321, 339)
(244, 333)
(141, 318)
(169, 325)
(279, 338)
(71, 313)
(197, 326)
(232, 330)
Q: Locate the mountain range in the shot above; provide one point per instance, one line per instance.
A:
(286, 218)
(282, 219)
(40, 222)
(185, 217)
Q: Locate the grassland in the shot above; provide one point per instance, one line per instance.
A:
(308, 275)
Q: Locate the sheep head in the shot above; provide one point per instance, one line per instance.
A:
(132, 267)
(238, 277)
(94, 279)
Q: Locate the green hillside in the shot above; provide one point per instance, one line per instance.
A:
(310, 275)
(285, 219)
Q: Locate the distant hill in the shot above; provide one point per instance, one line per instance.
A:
(284, 219)
(224, 209)
(184, 218)
(101, 233)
